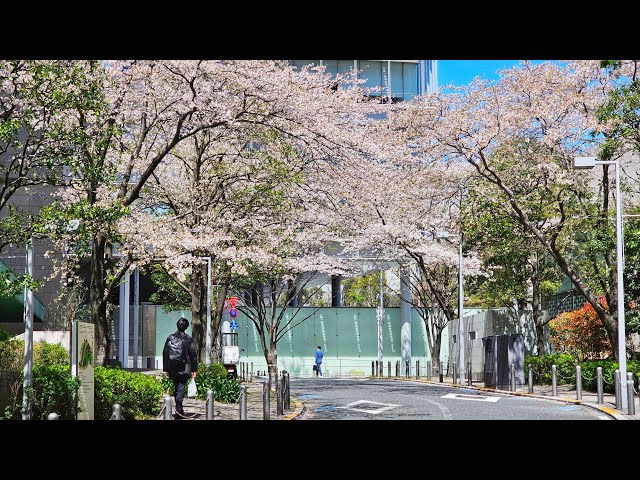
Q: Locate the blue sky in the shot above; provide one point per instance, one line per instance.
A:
(461, 72)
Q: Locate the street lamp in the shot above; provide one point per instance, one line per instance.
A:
(207, 351)
(443, 234)
(583, 163)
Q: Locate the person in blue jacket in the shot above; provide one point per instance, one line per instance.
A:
(319, 356)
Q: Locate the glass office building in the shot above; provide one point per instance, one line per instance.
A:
(400, 80)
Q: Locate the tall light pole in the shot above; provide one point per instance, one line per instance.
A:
(461, 365)
(582, 163)
(207, 351)
(380, 321)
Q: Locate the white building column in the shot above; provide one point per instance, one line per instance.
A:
(405, 319)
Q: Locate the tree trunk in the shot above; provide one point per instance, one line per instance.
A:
(536, 306)
(199, 308)
(97, 299)
(272, 362)
(435, 353)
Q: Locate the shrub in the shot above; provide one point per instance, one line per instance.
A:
(608, 373)
(138, 394)
(580, 333)
(215, 377)
(541, 368)
(53, 389)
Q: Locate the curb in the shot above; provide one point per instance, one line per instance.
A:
(297, 404)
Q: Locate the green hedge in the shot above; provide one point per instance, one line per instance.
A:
(53, 389)
(139, 395)
(566, 370)
(215, 377)
(541, 367)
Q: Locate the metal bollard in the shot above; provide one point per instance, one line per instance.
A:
(429, 372)
(469, 381)
(372, 368)
(287, 394)
(266, 407)
(599, 384)
(53, 416)
(397, 367)
(243, 402)
(617, 389)
(167, 408)
(408, 369)
(631, 399)
(554, 381)
(513, 377)
(278, 397)
(251, 374)
(209, 404)
(578, 382)
(117, 411)
(389, 369)
(530, 379)
(417, 369)
(441, 372)
(455, 364)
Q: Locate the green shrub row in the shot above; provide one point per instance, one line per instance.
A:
(566, 371)
(139, 395)
(216, 378)
(53, 388)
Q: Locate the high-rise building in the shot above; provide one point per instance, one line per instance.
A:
(399, 80)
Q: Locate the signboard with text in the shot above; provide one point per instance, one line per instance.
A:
(85, 357)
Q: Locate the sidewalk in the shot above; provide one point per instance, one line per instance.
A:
(196, 409)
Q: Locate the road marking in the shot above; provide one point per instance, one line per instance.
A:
(446, 414)
(477, 398)
(375, 411)
(604, 417)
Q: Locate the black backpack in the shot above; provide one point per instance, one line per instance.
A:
(177, 350)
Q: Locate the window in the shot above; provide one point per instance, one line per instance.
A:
(454, 339)
(375, 75)
(337, 66)
(404, 80)
(472, 335)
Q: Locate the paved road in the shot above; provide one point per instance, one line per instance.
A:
(370, 399)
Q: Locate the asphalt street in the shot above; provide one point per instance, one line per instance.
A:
(371, 399)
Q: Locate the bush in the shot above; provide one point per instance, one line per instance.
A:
(138, 394)
(541, 368)
(215, 377)
(608, 373)
(53, 390)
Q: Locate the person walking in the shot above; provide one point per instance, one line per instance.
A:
(319, 356)
(180, 361)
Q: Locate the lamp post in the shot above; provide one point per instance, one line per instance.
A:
(583, 163)
(207, 351)
(461, 363)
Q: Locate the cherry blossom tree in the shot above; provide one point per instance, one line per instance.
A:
(554, 105)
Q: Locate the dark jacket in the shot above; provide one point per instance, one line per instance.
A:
(192, 357)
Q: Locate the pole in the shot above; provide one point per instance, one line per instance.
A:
(578, 382)
(209, 404)
(117, 411)
(618, 389)
(380, 319)
(460, 307)
(599, 384)
(266, 409)
(630, 394)
(531, 379)
(167, 408)
(28, 339)
(243, 402)
(207, 356)
(554, 381)
(622, 352)
(136, 316)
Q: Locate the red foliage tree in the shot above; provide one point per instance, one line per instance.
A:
(580, 333)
